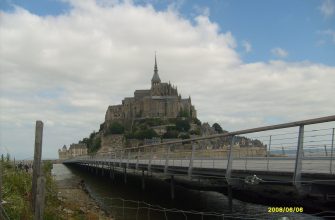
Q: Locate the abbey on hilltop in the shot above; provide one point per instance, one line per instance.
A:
(160, 101)
(153, 116)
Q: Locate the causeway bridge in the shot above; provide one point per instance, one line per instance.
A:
(295, 161)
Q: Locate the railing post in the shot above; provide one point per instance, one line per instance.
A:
(138, 155)
(332, 153)
(114, 158)
(150, 160)
(167, 159)
(268, 154)
(246, 158)
(230, 160)
(191, 161)
(120, 160)
(128, 155)
(298, 160)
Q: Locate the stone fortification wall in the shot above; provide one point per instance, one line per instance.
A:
(110, 142)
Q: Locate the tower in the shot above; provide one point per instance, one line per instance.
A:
(155, 79)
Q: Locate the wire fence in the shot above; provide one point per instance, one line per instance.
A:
(123, 209)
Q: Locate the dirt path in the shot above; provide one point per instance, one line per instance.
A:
(77, 204)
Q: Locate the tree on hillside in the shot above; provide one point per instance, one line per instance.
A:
(93, 142)
(115, 128)
(145, 134)
(171, 134)
(184, 113)
(196, 121)
(217, 128)
(183, 125)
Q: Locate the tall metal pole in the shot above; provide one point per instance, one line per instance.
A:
(332, 153)
(298, 160)
(230, 160)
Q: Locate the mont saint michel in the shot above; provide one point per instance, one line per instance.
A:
(142, 119)
(151, 116)
(160, 101)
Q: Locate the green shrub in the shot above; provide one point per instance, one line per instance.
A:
(184, 136)
(183, 125)
(115, 128)
(145, 134)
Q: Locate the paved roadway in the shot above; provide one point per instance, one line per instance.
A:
(314, 165)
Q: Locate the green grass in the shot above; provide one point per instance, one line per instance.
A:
(16, 190)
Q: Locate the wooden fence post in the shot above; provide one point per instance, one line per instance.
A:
(38, 181)
(40, 197)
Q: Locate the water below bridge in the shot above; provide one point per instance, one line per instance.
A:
(129, 201)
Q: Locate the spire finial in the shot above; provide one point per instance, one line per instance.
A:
(155, 79)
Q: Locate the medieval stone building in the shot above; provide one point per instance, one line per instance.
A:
(73, 151)
(160, 101)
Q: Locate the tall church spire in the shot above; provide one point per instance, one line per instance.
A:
(155, 79)
(155, 69)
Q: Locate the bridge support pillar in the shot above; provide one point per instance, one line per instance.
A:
(172, 187)
(298, 160)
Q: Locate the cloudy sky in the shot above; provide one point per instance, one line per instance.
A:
(244, 63)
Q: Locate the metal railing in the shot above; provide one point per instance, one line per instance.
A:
(276, 148)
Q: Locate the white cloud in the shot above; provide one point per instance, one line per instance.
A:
(247, 46)
(330, 33)
(201, 10)
(67, 69)
(279, 52)
(327, 8)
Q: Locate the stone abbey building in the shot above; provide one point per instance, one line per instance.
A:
(160, 101)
